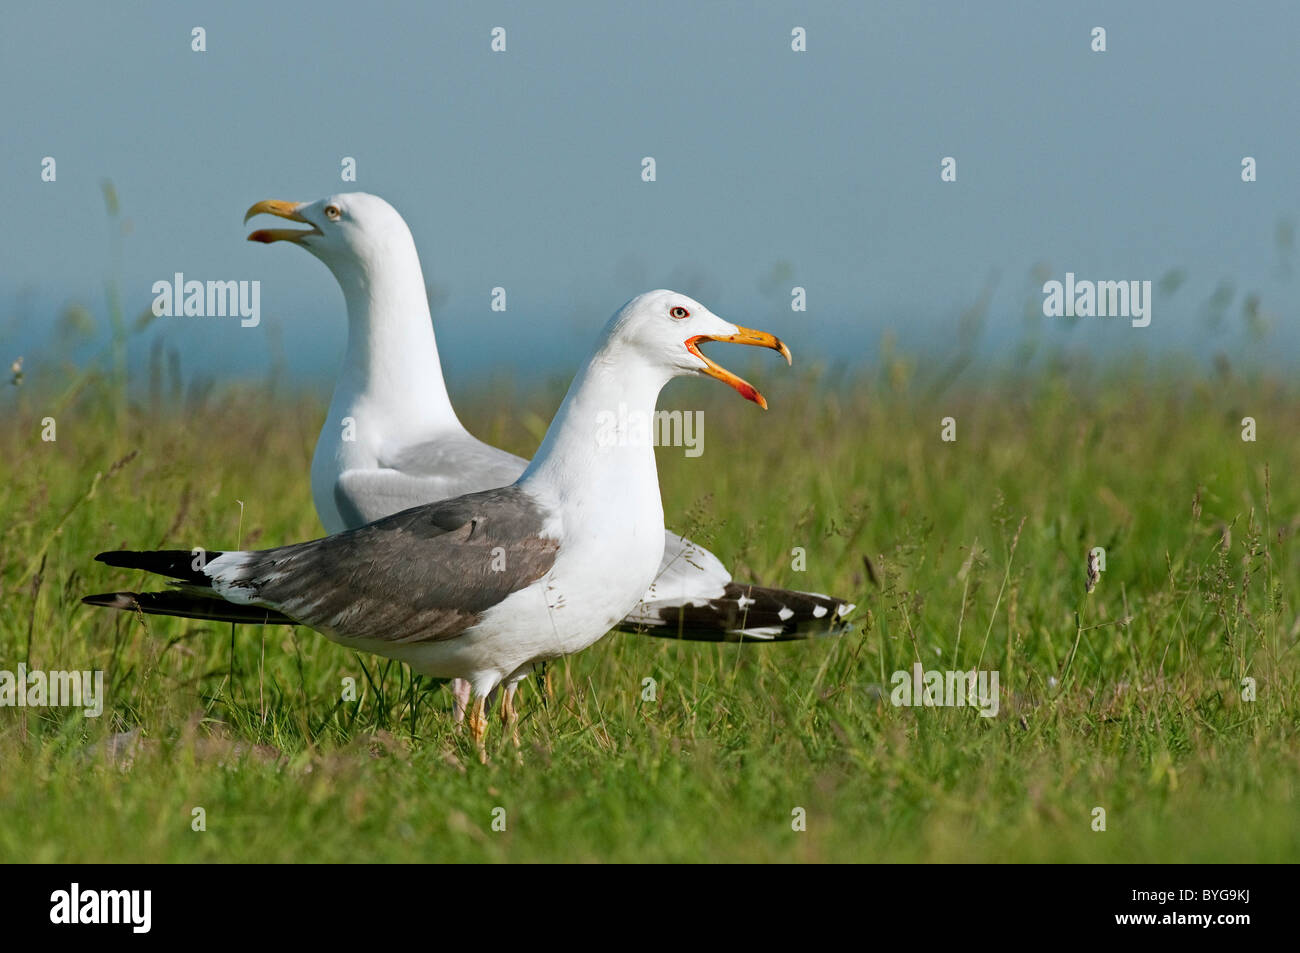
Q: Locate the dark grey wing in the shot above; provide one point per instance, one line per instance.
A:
(441, 469)
(429, 572)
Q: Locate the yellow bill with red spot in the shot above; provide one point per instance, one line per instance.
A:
(280, 209)
(742, 336)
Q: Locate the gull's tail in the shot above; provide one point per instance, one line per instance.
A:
(694, 598)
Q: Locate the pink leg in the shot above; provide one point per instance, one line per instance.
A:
(460, 699)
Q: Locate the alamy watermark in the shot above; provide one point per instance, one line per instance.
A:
(208, 299)
(662, 428)
(38, 689)
(1102, 299)
(133, 908)
(946, 689)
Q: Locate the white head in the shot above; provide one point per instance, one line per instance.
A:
(666, 328)
(353, 232)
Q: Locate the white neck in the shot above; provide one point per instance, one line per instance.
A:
(392, 368)
(587, 459)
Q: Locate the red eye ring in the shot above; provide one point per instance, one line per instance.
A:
(679, 312)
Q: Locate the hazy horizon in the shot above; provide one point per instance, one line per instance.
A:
(522, 169)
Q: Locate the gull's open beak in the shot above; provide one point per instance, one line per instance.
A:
(742, 336)
(287, 210)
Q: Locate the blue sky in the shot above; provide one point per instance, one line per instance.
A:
(522, 169)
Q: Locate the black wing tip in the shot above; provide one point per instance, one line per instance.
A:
(173, 563)
(187, 605)
(132, 558)
(112, 600)
(750, 613)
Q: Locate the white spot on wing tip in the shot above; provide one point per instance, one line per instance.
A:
(818, 611)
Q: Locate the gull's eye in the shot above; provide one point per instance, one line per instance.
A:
(679, 312)
(332, 213)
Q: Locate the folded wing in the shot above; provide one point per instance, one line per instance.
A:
(426, 573)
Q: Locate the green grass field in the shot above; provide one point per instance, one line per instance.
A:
(960, 555)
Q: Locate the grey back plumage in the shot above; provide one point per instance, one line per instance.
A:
(426, 573)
